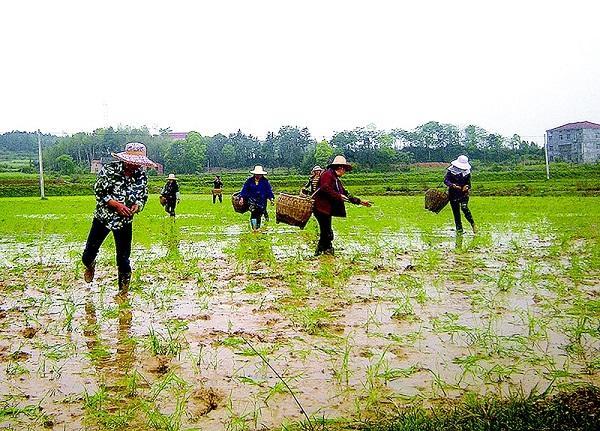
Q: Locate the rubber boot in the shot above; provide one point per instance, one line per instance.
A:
(254, 223)
(124, 279)
(88, 274)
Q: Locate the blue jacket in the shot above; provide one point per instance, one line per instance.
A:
(257, 193)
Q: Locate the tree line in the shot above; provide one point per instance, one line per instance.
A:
(291, 147)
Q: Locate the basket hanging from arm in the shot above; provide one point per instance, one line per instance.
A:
(294, 210)
(435, 200)
(237, 205)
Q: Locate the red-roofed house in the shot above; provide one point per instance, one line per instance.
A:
(575, 142)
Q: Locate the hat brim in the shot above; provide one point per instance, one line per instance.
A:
(345, 165)
(134, 160)
(460, 165)
(258, 173)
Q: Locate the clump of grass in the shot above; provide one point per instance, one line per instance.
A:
(574, 411)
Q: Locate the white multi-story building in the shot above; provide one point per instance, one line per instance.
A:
(574, 142)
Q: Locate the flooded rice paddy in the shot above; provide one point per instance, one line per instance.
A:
(406, 312)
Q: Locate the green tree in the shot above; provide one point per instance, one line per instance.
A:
(228, 155)
(65, 164)
(323, 153)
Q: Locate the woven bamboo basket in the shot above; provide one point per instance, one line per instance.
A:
(293, 210)
(237, 205)
(163, 200)
(217, 191)
(435, 200)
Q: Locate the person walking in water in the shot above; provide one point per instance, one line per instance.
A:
(121, 191)
(217, 189)
(256, 191)
(458, 180)
(170, 192)
(329, 202)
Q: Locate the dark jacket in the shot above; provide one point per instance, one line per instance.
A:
(170, 190)
(460, 180)
(257, 193)
(330, 198)
(217, 184)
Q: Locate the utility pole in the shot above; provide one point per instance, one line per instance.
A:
(546, 154)
(42, 195)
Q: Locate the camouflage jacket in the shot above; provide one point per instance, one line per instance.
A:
(113, 184)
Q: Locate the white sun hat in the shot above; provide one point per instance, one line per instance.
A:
(316, 168)
(341, 161)
(171, 177)
(135, 154)
(258, 170)
(462, 162)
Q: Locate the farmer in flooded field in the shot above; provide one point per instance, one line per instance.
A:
(121, 192)
(312, 185)
(170, 193)
(217, 189)
(256, 191)
(458, 180)
(329, 202)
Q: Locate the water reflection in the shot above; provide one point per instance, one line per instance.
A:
(110, 368)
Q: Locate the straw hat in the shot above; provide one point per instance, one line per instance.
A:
(340, 161)
(135, 154)
(171, 177)
(462, 162)
(316, 168)
(258, 170)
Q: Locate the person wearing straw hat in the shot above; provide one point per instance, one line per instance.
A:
(458, 180)
(256, 191)
(329, 202)
(311, 186)
(121, 190)
(170, 192)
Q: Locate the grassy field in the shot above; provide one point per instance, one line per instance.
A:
(408, 328)
(490, 180)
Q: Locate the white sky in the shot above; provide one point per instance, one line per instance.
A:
(216, 66)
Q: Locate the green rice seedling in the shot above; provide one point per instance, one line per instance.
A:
(14, 368)
(161, 421)
(168, 345)
(448, 324)
(500, 373)
(340, 368)
(537, 326)
(232, 341)
(132, 383)
(470, 365)
(312, 320)
(372, 319)
(254, 288)
(429, 260)
(277, 389)
(403, 309)
(389, 374)
(236, 421)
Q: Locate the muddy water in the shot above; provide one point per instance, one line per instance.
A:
(399, 316)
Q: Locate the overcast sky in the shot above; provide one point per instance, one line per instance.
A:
(508, 66)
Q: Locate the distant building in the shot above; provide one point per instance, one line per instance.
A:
(574, 142)
(97, 165)
(178, 136)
